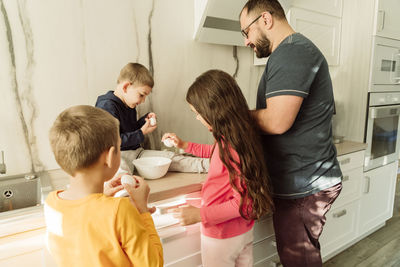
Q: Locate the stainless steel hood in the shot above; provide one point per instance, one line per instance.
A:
(217, 21)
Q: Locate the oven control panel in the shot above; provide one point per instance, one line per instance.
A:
(381, 99)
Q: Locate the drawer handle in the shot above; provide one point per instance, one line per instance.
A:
(345, 178)
(276, 264)
(366, 187)
(273, 243)
(381, 19)
(345, 161)
(339, 214)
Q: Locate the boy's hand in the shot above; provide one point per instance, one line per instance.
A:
(186, 214)
(113, 186)
(147, 127)
(179, 143)
(139, 195)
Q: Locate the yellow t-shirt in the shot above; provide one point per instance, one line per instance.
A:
(100, 231)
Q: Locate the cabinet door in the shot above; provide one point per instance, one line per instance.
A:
(323, 30)
(329, 7)
(25, 249)
(351, 161)
(378, 196)
(264, 249)
(351, 190)
(184, 248)
(340, 228)
(388, 19)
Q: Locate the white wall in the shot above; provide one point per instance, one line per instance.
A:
(58, 53)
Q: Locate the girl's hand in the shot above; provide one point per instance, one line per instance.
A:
(113, 186)
(186, 214)
(179, 143)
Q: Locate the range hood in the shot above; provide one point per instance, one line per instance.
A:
(217, 21)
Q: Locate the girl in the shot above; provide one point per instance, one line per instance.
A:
(237, 189)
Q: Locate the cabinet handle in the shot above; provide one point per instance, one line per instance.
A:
(381, 18)
(276, 264)
(345, 178)
(345, 161)
(339, 214)
(396, 70)
(366, 187)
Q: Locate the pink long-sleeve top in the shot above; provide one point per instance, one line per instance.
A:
(220, 216)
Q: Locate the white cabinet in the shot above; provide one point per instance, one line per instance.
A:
(387, 19)
(183, 248)
(319, 21)
(377, 197)
(329, 7)
(340, 228)
(323, 30)
(342, 219)
(264, 244)
(25, 249)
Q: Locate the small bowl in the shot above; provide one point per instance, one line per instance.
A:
(152, 167)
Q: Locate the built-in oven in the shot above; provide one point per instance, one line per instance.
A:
(382, 130)
(385, 69)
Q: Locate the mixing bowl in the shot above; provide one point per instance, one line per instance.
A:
(152, 167)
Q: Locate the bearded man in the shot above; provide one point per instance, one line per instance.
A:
(294, 111)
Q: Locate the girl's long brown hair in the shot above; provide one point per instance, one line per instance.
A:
(218, 99)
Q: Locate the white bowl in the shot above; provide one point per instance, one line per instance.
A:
(152, 167)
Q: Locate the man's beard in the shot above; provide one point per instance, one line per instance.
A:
(263, 47)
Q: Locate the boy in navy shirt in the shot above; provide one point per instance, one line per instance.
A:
(134, 84)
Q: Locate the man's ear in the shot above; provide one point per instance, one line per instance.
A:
(110, 154)
(267, 19)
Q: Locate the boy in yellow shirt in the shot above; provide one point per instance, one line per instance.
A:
(85, 225)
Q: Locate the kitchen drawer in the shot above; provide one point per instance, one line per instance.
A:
(351, 190)
(190, 260)
(271, 261)
(351, 161)
(177, 249)
(264, 248)
(263, 228)
(340, 227)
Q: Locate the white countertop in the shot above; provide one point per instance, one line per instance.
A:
(170, 186)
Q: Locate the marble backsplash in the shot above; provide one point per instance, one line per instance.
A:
(59, 53)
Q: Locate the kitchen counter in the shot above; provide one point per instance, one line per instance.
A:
(347, 147)
(176, 183)
(172, 185)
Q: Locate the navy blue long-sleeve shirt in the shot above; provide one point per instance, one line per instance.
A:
(129, 125)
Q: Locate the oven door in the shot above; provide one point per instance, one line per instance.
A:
(382, 136)
(385, 72)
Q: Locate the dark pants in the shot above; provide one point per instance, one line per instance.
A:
(298, 225)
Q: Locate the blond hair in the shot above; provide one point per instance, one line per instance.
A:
(137, 74)
(80, 134)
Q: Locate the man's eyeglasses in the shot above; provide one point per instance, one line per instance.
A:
(244, 33)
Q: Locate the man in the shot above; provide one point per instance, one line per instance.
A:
(294, 111)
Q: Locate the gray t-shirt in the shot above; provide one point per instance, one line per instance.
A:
(302, 161)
